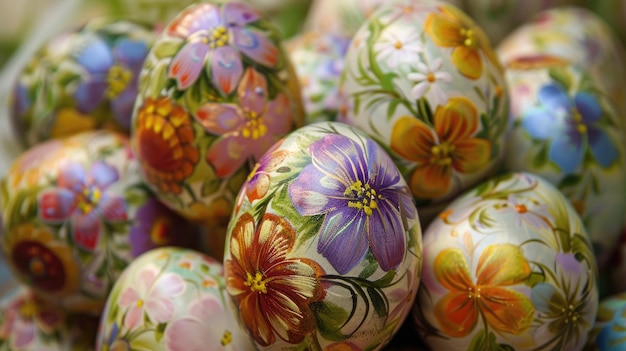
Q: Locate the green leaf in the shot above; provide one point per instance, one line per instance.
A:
(156, 81)
(385, 280)
(210, 186)
(391, 108)
(378, 302)
(541, 158)
(330, 318)
(535, 278)
(158, 333)
(570, 180)
(165, 49)
(369, 270)
(561, 76)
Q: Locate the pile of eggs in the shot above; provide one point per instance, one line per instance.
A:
(385, 179)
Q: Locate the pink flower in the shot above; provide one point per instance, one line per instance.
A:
(247, 129)
(152, 294)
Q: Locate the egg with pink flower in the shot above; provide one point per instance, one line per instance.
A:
(75, 213)
(216, 91)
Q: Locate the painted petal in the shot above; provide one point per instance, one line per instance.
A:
(90, 94)
(187, 334)
(457, 120)
(56, 205)
(430, 181)
(452, 270)
(312, 192)
(133, 317)
(554, 98)
(123, 105)
(382, 172)
(96, 56)
(567, 151)
(86, 229)
(341, 158)
(128, 297)
(255, 320)
(506, 310)
(113, 208)
(278, 118)
(145, 279)
(252, 91)
(240, 14)
(471, 155)
(256, 46)
(468, 61)
(102, 174)
(131, 53)
(194, 19)
(386, 235)
(187, 64)
(502, 265)
(226, 68)
(588, 107)
(443, 30)
(23, 334)
(540, 123)
(73, 177)
(343, 230)
(274, 240)
(159, 310)
(220, 119)
(228, 154)
(420, 89)
(168, 285)
(456, 314)
(602, 146)
(412, 139)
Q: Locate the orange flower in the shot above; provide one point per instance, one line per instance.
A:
(452, 28)
(452, 147)
(164, 142)
(502, 309)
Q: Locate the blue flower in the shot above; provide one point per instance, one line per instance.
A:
(571, 126)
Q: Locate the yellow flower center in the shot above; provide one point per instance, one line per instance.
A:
(580, 126)
(469, 38)
(256, 283)
(442, 154)
(36, 267)
(398, 45)
(430, 77)
(89, 200)
(159, 230)
(227, 338)
(28, 310)
(570, 314)
(363, 197)
(218, 37)
(140, 303)
(118, 79)
(254, 127)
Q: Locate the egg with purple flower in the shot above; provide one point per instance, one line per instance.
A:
(81, 79)
(324, 245)
(75, 213)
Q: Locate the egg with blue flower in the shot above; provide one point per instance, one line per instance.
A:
(609, 329)
(324, 244)
(81, 79)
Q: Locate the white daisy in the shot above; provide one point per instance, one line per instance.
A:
(398, 46)
(430, 80)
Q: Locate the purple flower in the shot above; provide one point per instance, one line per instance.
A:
(571, 125)
(81, 197)
(218, 37)
(113, 76)
(357, 187)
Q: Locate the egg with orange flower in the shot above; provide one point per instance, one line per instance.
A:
(422, 79)
(216, 91)
(75, 212)
(508, 266)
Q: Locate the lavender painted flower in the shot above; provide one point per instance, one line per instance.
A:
(113, 76)
(218, 37)
(81, 197)
(571, 126)
(357, 187)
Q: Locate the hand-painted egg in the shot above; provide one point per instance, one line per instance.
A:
(507, 266)
(81, 79)
(567, 130)
(609, 329)
(425, 83)
(217, 90)
(324, 246)
(76, 212)
(171, 299)
(318, 59)
(30, 324)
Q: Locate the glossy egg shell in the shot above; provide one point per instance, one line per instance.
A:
(75, 213)
(79, 80)
(507, 265)
(325, 231)
(216, 91)
(171, 299)
(435, 100)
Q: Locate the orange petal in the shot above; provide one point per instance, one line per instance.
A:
(412, 139)
(430, 181)
(471, 155)
(254, 318)
(456, 314)
(502, 265)
(452, 271)
(468, 61)
(506, 310)
(457, 120)
(444, 30)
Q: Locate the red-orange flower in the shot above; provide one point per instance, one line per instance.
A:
(450, 147)
(502, 309)
(453, 28)
(273, 291)
(164, 142)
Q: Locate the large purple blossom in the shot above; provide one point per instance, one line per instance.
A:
(357, 187)
(571, 125)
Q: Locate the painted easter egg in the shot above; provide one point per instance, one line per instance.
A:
(507, 266)
(171, 299)
(75, 213)
(217, 90)
(318, 59)
(324, 247)
(81, 79)
(609, 329)
(425, 83)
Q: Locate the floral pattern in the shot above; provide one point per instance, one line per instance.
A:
(609, 324)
